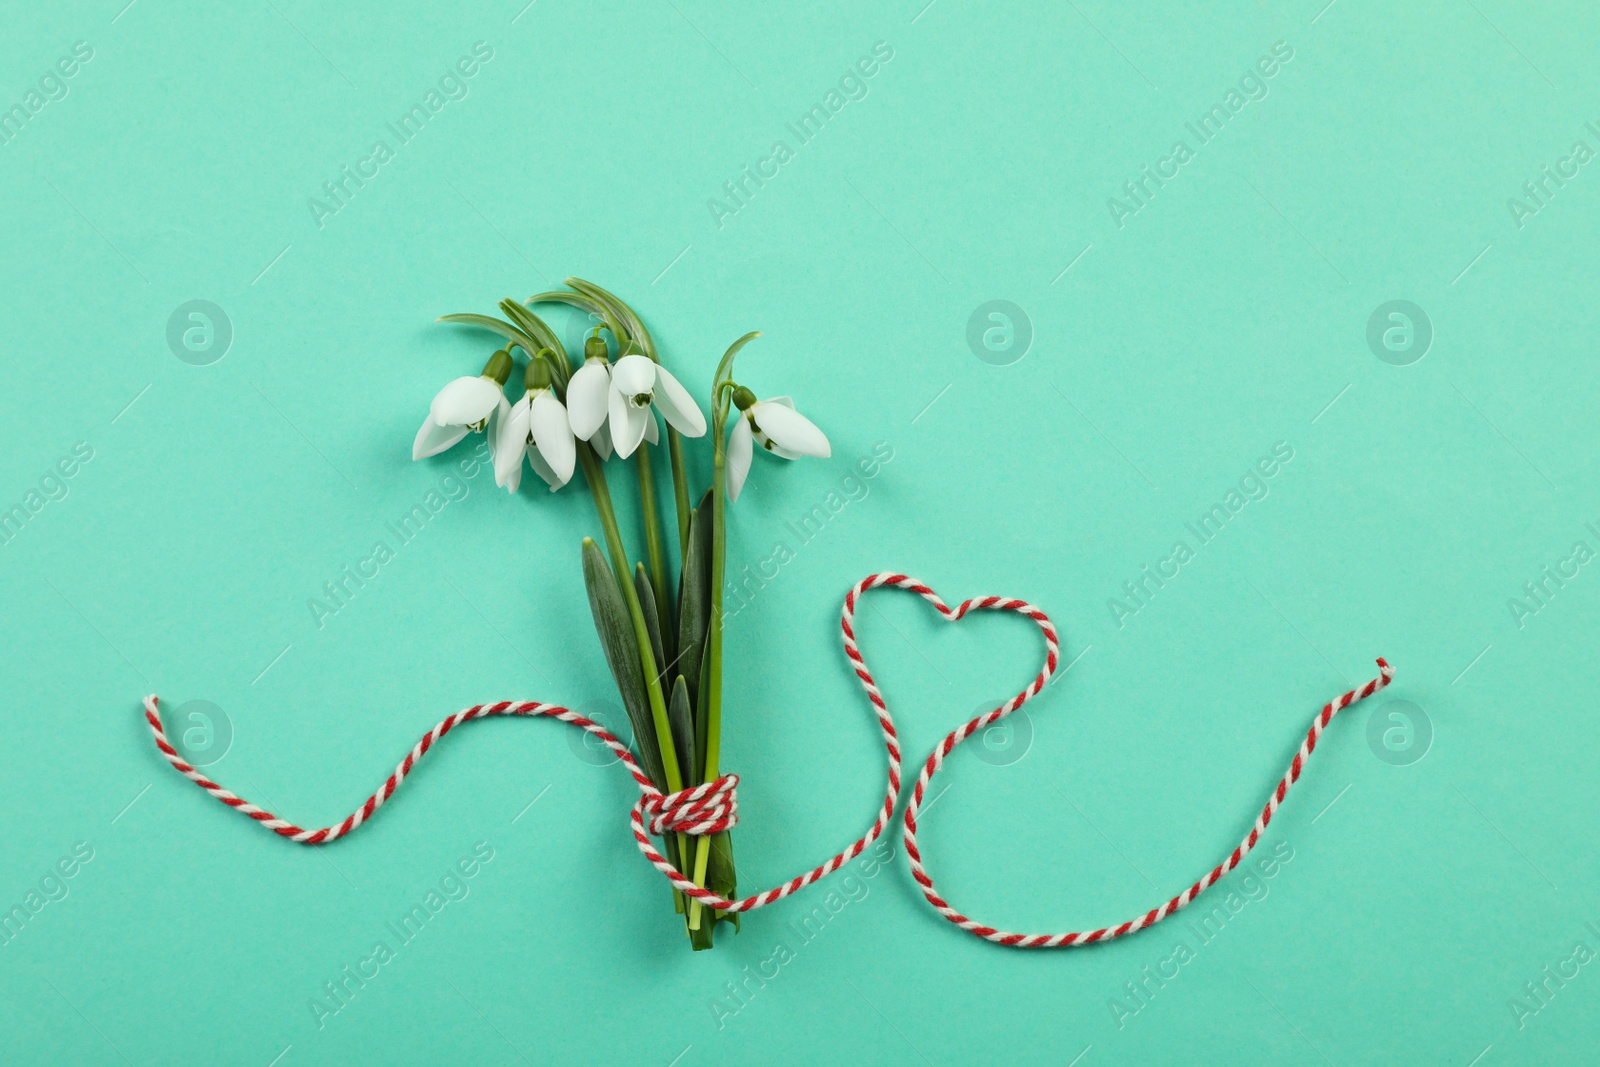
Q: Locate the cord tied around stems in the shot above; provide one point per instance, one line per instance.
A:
(698, 811)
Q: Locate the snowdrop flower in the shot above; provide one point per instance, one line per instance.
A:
(536, 426)
(586, 395)
(601, 441)
(777, 427)
(466, 404)
(636, 383)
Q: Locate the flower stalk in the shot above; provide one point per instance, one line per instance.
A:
(711, 698)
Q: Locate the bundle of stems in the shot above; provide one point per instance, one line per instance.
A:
(662, 638)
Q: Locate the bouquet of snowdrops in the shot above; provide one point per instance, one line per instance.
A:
(662, 638)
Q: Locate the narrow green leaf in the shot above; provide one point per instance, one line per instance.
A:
(620, 311)
(700, 936)
(561, 296)
(681, 716)
(652, 618)
(721, 877)
(669, 846)
(539, 330)
(702, 717)
(590, 305)
(725, 368)
(657, 569)
(584, 303)
(615, 627)
(504, 329)
(694, 596)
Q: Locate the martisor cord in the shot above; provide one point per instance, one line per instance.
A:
(713, 807)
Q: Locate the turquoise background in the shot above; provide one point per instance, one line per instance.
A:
(1226, 315)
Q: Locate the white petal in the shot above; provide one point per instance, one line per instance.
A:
(552, 434)
(465, 401)
(652, 432)
(513, 436)
(601, 442)
(543, 470)
(627, 424)
(678, 406)
(586, 398)
(513, 480)
(772, 448)
(433, 438)
(790, 429)
(491, 432)
(634, 375)
(768, 444)
(738, 458)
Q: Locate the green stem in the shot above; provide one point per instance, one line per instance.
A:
(594, 473)
(712, 697)
(713, 694)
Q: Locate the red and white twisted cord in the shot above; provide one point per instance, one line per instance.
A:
(1154, 915)
(713, 806)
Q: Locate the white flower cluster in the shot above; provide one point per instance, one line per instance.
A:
(611, 407)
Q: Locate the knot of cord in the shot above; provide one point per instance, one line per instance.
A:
(704, 809)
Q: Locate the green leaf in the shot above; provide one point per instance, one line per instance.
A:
(620, 311)
(681, 716)
(504, 329)
(652, 619)
(694, 595)
(615, 627)
(561, 296)
(702, 717)
(589, 306)
(669, 846)
(658, 565)
(700, 937)
(725, 368)
(539, 330)
(721, 878)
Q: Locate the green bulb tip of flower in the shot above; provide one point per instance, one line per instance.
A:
(538, 375)
(743, 398)
(498, 369)
(595, 346)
